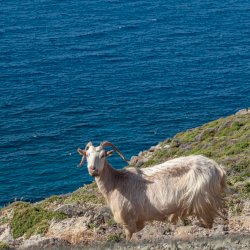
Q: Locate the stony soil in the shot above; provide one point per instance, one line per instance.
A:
(93, 228)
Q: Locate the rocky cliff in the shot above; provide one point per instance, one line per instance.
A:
(82, 219)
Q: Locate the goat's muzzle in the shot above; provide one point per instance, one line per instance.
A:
(93, 171)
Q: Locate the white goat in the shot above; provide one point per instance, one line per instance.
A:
(185, 186)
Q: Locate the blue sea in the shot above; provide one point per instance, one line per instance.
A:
(133, 72)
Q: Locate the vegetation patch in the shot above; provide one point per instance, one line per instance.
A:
(226, 140)
(111, 222)
(4, 246)
(53, 200)
(18, 205)
(113, 238)
(29, 219)
(234, 179)
(86, 194)
(246, 188)
(4, 220)
(234, 205)
(92, 225)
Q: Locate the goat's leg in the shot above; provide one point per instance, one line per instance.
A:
(130, 228)
(139, 225)
(173, 218)
(206, 222)
(128, 234)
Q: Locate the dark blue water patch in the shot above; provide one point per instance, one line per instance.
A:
(131, 72)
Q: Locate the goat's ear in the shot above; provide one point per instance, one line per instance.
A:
(109, 153)
(80, 151)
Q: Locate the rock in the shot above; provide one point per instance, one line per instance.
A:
(219, 230)
(106, 213)
(151, 231)
(175, 143)
(152, 149)
(243, 222)
(37, 241)
(204, 134)
(142, 153)
(133, 160)
(73, 230)
(224, 125)
(184, 232)
(167, 146)
(72, 209)
(5, 233)
(220, 246)
(246, 208)
(143, 156)
(186, 146)
(140, 162)
(243, 111)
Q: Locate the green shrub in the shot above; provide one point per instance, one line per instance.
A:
(53, 199)
(112, 238)
(30, 219)
(111, 222)
(235, 206)
(4, 246)
(86, 194)
(246, 188)
(4, 220)
(235, 179)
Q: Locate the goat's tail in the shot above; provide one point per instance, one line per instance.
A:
(204, 196)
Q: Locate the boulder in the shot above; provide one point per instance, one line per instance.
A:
(5, 233)
(72, 209)
(133, 160)
(41, 242)
(243, 111)
(184, 232)
(73, 230)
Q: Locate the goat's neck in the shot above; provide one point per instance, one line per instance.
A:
(105, 181)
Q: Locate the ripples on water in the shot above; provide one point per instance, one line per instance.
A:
(132, 72)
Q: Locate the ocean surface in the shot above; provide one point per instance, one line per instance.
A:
(131, 72)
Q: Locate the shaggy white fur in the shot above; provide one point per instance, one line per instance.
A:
(178, 188)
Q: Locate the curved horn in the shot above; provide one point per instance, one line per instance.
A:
(83, 153)
(109, 144)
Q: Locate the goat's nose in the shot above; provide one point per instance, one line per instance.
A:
(92, 168)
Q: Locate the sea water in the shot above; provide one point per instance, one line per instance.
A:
(130, 72)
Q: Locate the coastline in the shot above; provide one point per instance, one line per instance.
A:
(82, 218)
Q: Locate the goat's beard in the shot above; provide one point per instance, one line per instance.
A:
(94, 174)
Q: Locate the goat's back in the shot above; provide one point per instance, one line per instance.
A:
(185, 186)
(180, 166)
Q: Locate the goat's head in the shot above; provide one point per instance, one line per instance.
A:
(96, 156)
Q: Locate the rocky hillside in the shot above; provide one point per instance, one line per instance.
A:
(82, 218)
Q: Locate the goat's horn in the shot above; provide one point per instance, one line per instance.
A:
(82, 160)
(88, 145)
(106, 144)
(83, 153)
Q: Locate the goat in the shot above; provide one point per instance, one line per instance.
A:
(178, 188)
